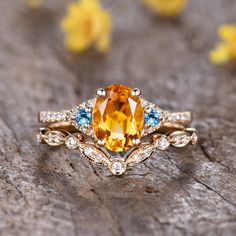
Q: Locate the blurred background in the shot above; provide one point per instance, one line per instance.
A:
(167, 56)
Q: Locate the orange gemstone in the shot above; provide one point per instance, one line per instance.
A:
(118, 118)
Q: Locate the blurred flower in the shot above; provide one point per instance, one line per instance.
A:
(225, 51)
(86, 24)
(166, 8)
(34, 3)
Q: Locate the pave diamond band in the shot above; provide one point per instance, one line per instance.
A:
(55, 116)
(180, 117)
(118, 119)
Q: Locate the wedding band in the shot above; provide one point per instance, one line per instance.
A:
(117, 128)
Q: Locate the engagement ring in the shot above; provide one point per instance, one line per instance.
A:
(117, 128)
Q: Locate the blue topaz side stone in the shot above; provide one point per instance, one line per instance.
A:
(152, 118)
(83, 117)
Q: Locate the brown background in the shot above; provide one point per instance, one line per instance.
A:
(47, 191)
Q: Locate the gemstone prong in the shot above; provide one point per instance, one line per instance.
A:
(136, 92)
(101, 92)
(136, 142)
(101, 142)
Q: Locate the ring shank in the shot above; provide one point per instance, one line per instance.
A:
(55, 116)
(61, 120)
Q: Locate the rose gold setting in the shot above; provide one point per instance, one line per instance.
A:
(62, 128)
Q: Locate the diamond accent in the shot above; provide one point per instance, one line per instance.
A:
(137, 158)
(72, 142)
(117, 167)
(162, 143)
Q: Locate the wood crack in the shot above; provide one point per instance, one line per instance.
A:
(202, 183)
(94, 170)
(206, 154)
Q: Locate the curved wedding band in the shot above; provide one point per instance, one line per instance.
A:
(118, 128)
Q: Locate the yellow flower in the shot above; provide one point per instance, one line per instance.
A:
(34, 3)
(166, 8)
(86, 24)
(225, 51)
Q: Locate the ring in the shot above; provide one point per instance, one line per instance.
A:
(117, 128)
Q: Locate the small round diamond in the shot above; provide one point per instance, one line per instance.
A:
(117, 168)
(88, 151)
(137, 158)
(162, 143)
(83, 117)
(72, 142)
(98, 158)
(151, 118)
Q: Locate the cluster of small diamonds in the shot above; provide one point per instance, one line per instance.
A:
(153, 117)
(81, 117)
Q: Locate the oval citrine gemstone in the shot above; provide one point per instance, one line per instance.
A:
(118, 118)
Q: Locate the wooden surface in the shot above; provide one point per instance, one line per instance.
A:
(52, 191)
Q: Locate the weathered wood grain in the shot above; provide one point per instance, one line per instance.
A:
(47, 191)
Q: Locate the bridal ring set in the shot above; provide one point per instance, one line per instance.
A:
(117, 128)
